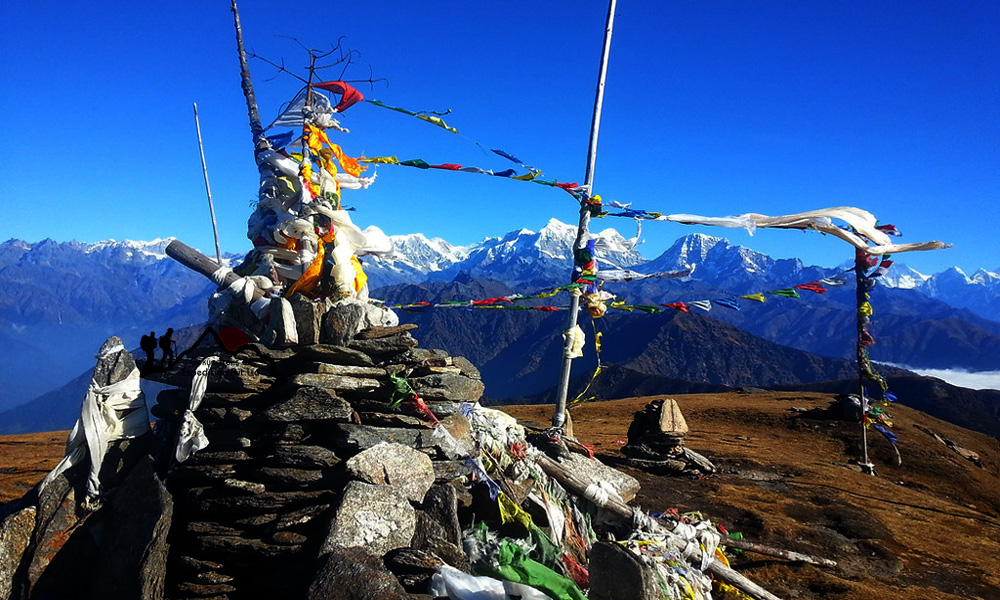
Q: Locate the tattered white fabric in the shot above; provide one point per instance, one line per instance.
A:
(451, 583)
(629, 275)
(821, 220)
(109, 413)
(319, 113)
(244, 288)
(192, 436)
(576, 340)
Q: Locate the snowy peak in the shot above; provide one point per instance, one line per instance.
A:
(903, 277)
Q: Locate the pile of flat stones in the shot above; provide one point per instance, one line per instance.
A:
(307, 462)
(656, 441)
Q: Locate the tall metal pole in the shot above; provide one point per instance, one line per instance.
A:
(208, 189)
(559, 417)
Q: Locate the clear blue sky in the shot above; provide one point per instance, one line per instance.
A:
(714, 108)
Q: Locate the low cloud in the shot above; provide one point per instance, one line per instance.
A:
(974, 380)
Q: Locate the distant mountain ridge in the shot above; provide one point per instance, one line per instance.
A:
(64, 298)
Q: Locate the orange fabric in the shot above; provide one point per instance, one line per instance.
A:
(311, 276)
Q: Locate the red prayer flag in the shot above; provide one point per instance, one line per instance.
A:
(349, 96)
(678, 306)
(812, 286)
(447, 167)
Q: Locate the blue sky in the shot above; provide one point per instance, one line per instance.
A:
(713, 108)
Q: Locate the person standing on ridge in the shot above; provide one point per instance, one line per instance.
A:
(148, 345)
(167, 346)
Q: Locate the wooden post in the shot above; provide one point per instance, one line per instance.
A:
(861, 296)
(256, 130)
(196, 261)
(208, 189)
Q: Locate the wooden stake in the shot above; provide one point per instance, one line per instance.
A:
(208, 189)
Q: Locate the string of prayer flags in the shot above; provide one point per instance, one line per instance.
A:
(433, 118)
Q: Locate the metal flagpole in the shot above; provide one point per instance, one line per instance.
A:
(208, 190)
(559, 417)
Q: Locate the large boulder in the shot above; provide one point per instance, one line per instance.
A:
(407, 470)
(15, 535)
(354, 574)
(376, 517)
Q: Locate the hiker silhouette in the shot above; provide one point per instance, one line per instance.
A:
(148, 345)
(167, 345)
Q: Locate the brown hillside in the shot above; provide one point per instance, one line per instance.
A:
(927, 529)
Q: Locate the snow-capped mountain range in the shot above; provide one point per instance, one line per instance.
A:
(62, 299)
(534, 259)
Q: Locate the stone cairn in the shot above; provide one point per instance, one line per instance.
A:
(656, 441)
(340, 471)
(295, 432)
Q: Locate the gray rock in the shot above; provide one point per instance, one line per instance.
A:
(376, 332)
(194, 474)
(247, 487)
(310, 457)
(205, 590)
(467, 368)
(385, 347)
(287, 538)
(335, 355)
(441, 505)
(227, 375)
(355, 438)
(243, 546)
(206, 457)
(261, 503)
(351, 370)
(224, 438)
(381, 419)
(336, 382)
(618, 574)
(211, 528)
(417, 356)
(456, 388)
(375, 517)
(57, 519)
(132, 559)
(288, 477)
(213, 577)
(450, 470)
(407, 470)
(308, 318)
(309, 404)
(298, 517)
(15, 535)
(354, 574)
(594, 471)
(286, 433)
(342, 322)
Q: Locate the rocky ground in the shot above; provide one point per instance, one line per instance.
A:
(927, 529)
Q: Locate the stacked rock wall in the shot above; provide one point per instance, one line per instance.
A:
(306, 459)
